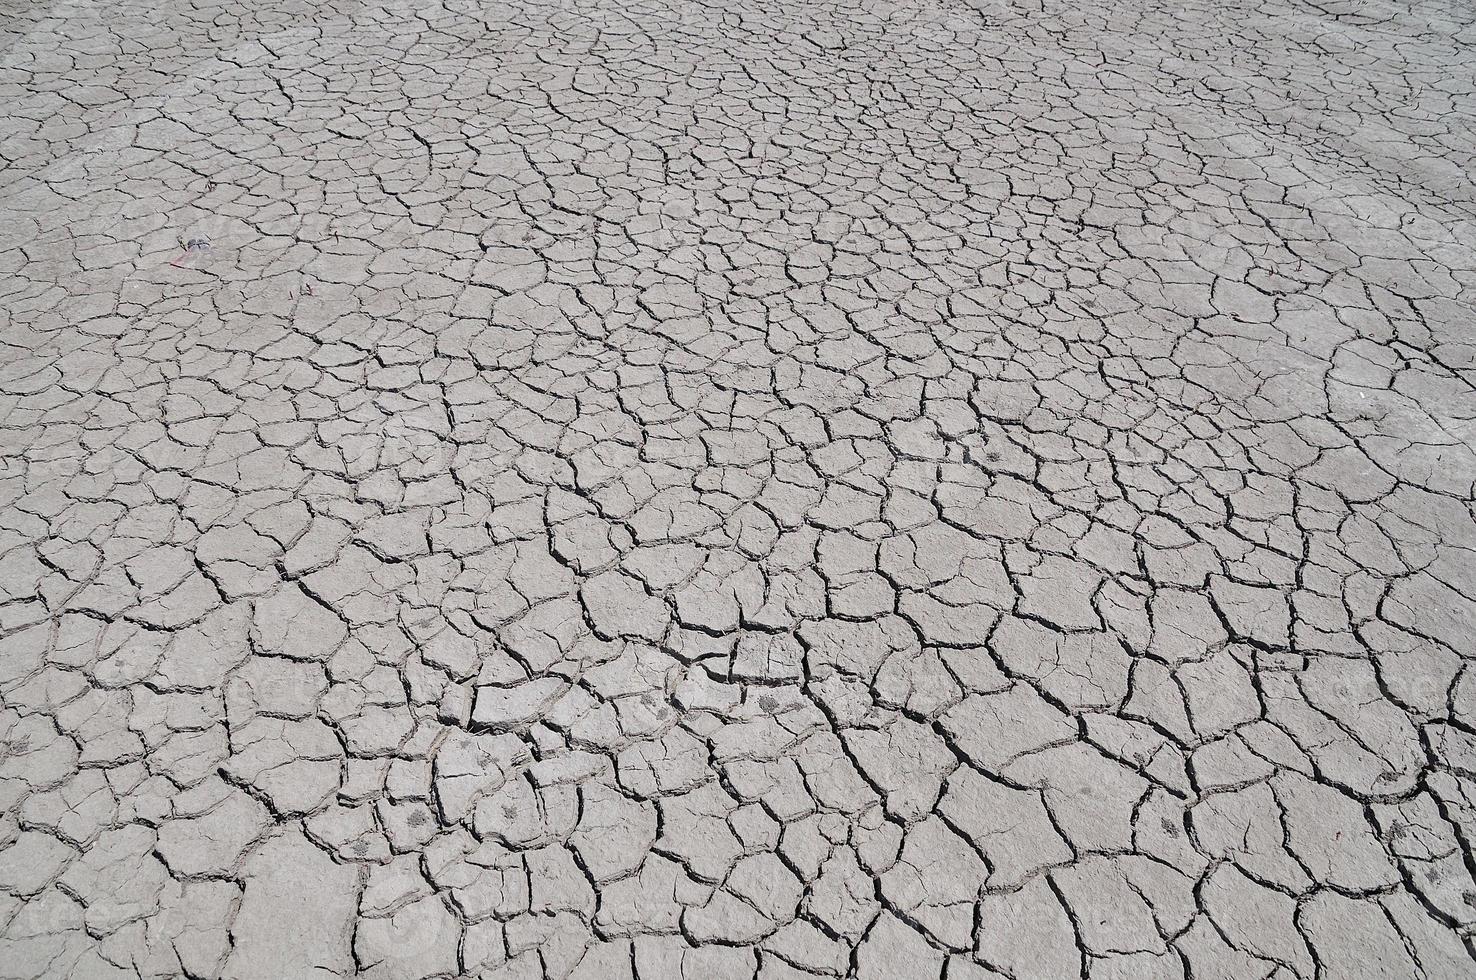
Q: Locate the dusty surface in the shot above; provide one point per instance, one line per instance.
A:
(661, 490)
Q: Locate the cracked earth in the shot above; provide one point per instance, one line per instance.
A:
(644, 489)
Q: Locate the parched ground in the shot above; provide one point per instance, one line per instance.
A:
(652, 489)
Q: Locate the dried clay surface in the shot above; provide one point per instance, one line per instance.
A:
(646, 489)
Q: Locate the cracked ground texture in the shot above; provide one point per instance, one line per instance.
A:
(645, 489)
